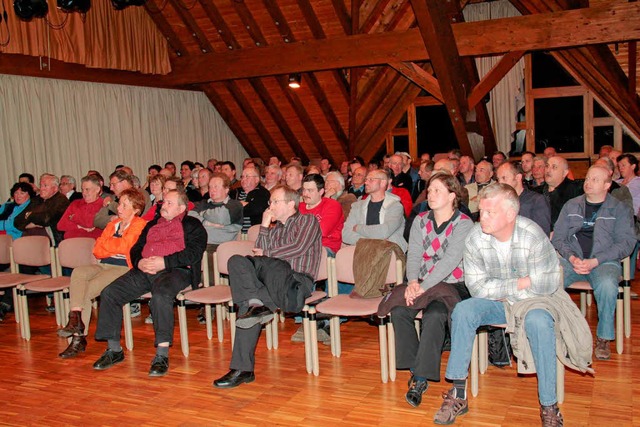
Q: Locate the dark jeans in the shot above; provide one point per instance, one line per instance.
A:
(163, 286)
(266, 279)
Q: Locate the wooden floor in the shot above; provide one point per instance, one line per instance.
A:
(38, 388)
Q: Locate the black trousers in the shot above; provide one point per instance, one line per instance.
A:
(263, 278)
(163, 286)
(422, 356)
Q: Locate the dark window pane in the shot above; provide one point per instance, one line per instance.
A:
(629, 145)
(559, 123)
(401, 143)
(548, 73)
(602, 135)
(435, 132)
(598, 111)
(403, 122)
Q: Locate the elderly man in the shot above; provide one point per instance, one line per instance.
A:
(41, 219)
(532, 205)
(293, 176)
(593, 234)
(507, 260)
(400, 178)
(166, 258)
(357, 181)
(279, 276)
(484, 177)
(537, 174)
(379, 216)
(253, 196)
(558, 188)
(272, 176)
(466, 171)
(68, 188)
(334, 189)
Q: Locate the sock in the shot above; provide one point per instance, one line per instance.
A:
(460, 387)
(162, 350)
(114, 345)
(255, 302)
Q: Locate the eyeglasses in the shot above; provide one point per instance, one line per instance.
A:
(368, 179)
(273, 202)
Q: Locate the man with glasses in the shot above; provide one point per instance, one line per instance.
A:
(280, 275)
(357, 181)
(379, 216)
(119, 181)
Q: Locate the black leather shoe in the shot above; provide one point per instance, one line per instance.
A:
(416, 390)
(255, 314)
(78, 344)
(159, 366)
(108, 359)
(234, 378)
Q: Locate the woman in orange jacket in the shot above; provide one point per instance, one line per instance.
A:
(112, 251)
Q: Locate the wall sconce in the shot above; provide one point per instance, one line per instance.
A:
(295, 80)
(70, 6)
(29, 9)
(122, 4)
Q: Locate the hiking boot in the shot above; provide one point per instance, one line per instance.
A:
(74, 325)
(603, 349)
(451, 408)
(551, 416)
(416, 390)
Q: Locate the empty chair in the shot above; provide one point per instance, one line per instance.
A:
(345, 306)
(71, 253)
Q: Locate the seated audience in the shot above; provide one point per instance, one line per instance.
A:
(253, 197)
(22, 195)
(229, 169)
(357, 182)
(185, 173)
(293, 177)
(77, 220)
(272, 176)
(466, 171)
(112, 250)
(156, 186)
(420, 189)
(119, 181)
(484, 177)
(327, 211)
(620, 192)
(325, 167)
(399, 178)
(165, 259)
(594, 232)
(558, 188)
(280, 275)
(628, 167)
(434, 265)
(537, 174)
(334, 189)
(68, 188)
(526, 163)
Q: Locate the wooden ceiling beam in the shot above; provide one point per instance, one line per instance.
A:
(606, 24)
(493, 77)
(277, 117)
(420, 77)
(328, 112)
(253, 117)
(434, 21)
(165, 28)
(219, 23)
(249, 23)
(368, 109)
(374, 16)
(343, 15)
(193, 27)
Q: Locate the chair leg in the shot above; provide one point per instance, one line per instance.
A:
(66, 304)
(391, 337)
(57, 305)
(232, 323)
(182, 321)
(25, 326)
(483, 351)
(559, 381)
(219, 310)
(627, 308)
(274, 331)
(269, 332)
(384, 347)
(334, 328)
(207, 317)
(583, 303)
(473, 368)
(589, 299)
(619, 322)
(16, 304)
(128, 332)
(308, 360)
(313, 341)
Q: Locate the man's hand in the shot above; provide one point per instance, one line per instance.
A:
(329, 193)
(584, 266)
(151, 265)
(32, 225)
(412, 292)
(258, 252)
(267, 218)
(106, 201)
(524, 283)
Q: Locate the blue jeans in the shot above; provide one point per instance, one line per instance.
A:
(604, 281)
(470, 314)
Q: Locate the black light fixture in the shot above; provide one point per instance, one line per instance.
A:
(123, 4)
(29, 9)
(70, 6)
(295, 80)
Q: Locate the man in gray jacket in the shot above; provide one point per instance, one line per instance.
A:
(593, 233)
(379, 216)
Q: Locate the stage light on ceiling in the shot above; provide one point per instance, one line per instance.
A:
(295, 80)
(122, 4)
(70, 6)
(29, 9)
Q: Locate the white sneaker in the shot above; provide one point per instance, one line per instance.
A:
(135, 309)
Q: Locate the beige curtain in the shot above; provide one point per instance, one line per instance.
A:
(507, 97)
(125, 40)
(66, 127)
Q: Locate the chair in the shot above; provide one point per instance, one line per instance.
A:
(217, 295)
(480, 362)
(252, 232)
(5, 249)
(34, 251)
(623, 304)
(71, 253)
(345, 306)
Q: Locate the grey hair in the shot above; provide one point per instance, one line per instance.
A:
(71, 179)
(504, 191)
(55, 179)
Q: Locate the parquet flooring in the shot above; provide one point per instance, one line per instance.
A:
(39, 389)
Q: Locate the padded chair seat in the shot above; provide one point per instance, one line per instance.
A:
(49, 285)
(315, 296)
(209, 295)
(10, 280)
(344, 305)
(581, 286)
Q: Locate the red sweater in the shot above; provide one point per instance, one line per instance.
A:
(80, 213)
(329, 215)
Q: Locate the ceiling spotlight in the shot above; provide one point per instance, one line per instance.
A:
(29, 9)
(294, 80)
(122, 4)
(70, 6)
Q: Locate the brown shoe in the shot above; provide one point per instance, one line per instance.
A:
(78, 344)
(74, 325)
(451, 408)
(603, 349)
(551, 416)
